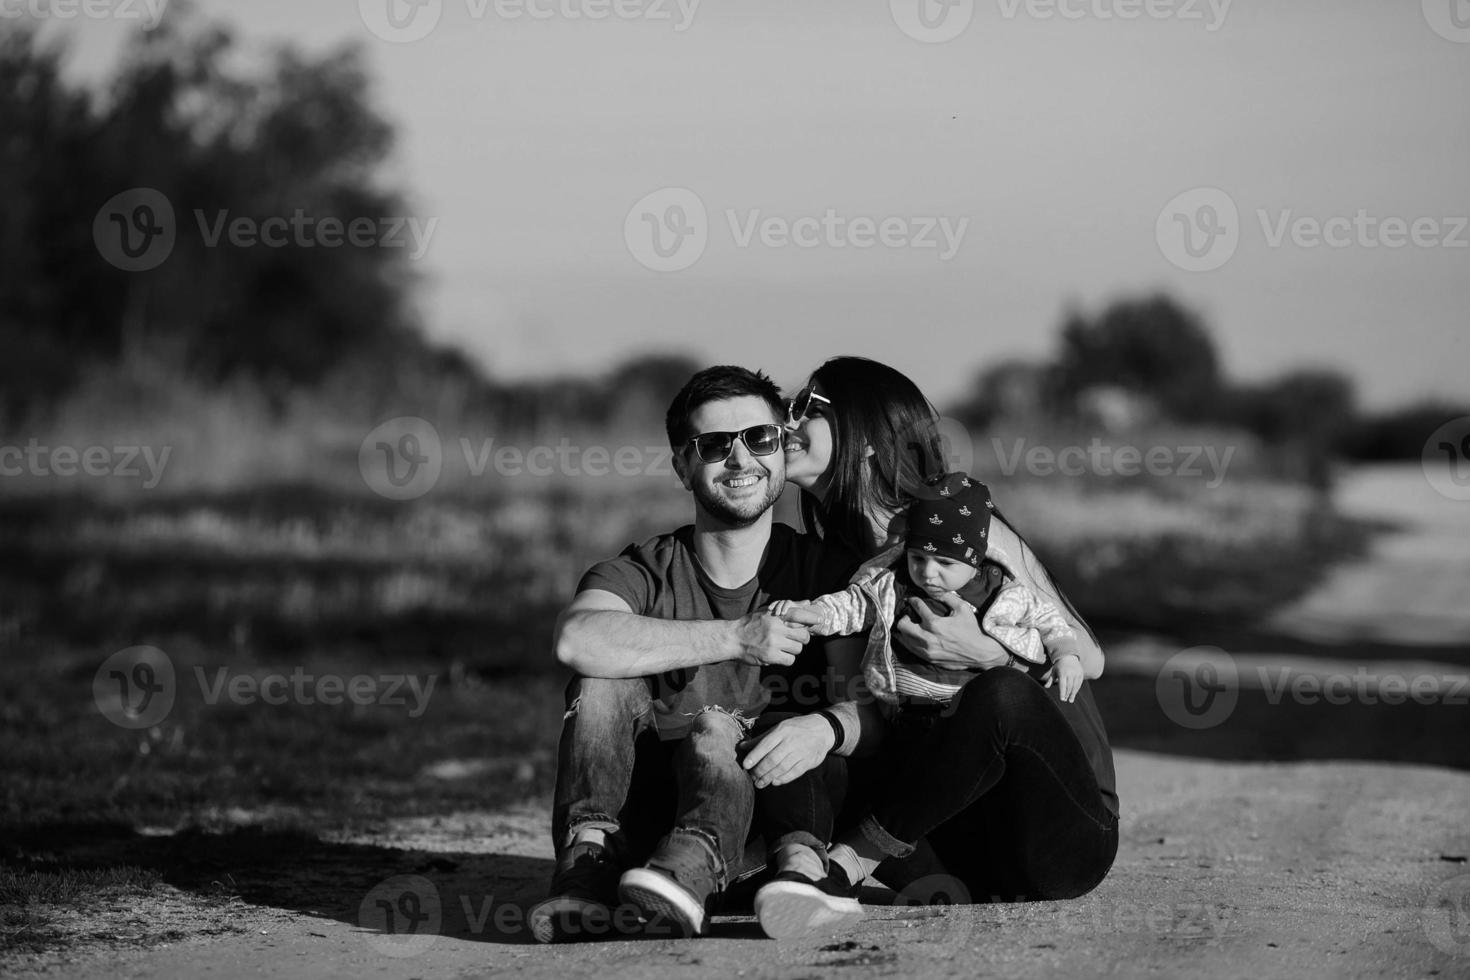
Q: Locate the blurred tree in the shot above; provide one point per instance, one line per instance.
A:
(1397, 434)
(1305, 411)
(1151, 346)
(1308, 404)
(638, 392)
(1011, 388)
(298, 140)
(45, 132)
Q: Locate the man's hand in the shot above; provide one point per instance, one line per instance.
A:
(795, 746)
(951, 640)
(766, 640)
(1067, 672)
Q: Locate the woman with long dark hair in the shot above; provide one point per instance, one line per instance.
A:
(1010, 787)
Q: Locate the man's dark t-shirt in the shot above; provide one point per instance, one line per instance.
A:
(663, 578)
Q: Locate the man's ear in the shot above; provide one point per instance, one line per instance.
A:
(681, 468)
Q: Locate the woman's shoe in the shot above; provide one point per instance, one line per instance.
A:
(794, 906)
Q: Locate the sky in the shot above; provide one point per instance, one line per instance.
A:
(930, 185)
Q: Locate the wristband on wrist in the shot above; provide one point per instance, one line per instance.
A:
(838, 732)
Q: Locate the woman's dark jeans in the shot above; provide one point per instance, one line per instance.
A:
(1000, 787)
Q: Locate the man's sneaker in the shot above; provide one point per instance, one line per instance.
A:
(793, 906)
(671, 891)
(582, 891)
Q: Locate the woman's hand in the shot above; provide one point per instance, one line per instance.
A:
(951, 640)
(795, 746)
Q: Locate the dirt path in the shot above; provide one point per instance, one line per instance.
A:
(1414, 585)
(1225, 870)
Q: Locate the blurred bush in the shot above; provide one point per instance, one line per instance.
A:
(298, 134)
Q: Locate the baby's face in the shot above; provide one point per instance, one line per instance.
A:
(935, 574)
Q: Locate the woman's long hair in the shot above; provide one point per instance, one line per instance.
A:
(875, 406)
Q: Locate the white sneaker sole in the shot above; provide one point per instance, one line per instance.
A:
(661, 900)
(790, 910)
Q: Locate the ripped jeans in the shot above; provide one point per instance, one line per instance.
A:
(619, 748)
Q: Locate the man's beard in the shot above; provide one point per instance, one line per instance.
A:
(740, 514)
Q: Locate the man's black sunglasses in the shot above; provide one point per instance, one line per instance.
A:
(761, 440)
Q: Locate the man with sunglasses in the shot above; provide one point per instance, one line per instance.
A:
(678, 660)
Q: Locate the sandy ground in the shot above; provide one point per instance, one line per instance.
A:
(1225, 870)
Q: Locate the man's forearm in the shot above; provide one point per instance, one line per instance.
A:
(604, 643)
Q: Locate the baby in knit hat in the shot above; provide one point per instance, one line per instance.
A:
(945, 551)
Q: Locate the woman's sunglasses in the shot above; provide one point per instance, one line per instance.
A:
(761, 440)
(799, 409)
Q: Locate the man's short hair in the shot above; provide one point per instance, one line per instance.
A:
(716, 384)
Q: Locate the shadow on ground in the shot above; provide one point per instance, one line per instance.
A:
(475, 896)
